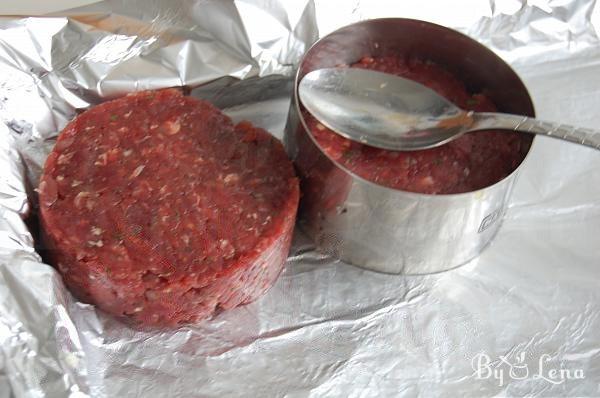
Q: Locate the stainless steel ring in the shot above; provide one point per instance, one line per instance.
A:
(390, 230)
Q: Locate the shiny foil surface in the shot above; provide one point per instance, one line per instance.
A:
(521, 319)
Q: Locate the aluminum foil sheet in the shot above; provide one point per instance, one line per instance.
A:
(521, 319)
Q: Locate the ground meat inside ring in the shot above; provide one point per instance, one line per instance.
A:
(468, 163)
(156, 207)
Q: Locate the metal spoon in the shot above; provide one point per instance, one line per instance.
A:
(390, 112)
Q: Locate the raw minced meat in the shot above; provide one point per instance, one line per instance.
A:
(470, 162)
(154, 206)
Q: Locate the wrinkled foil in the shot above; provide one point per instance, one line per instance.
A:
(521, 319)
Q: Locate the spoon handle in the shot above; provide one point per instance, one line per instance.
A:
(577, 135)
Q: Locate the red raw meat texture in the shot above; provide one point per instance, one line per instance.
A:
(468, 163)
(155, 207)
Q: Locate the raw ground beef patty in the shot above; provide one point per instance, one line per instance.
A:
(156, 207)
(470, 162)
